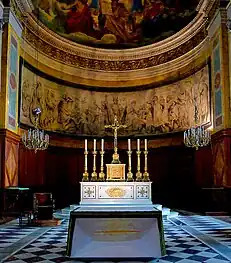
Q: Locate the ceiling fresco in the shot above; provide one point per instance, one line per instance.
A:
(115, 23)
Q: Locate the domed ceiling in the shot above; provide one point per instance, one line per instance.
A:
(115, 23)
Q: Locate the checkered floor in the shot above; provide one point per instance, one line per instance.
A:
(181, 247)
(12, 233)
(220, 230)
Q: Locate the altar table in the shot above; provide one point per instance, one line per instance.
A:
(115, 232)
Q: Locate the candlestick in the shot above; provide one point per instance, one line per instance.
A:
(145, 144)
(138, 144)
(129, 144)
(85, 174)
(101, 174)
(94, 174)
(146, 174)
(129, 174)
(138, 173)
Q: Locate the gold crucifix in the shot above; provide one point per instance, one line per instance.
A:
(115, 127)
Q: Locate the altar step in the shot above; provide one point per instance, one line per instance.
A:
(166, 212)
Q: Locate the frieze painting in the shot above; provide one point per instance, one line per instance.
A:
(77, 111)
(115, 23)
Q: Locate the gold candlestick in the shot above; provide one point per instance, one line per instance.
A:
(129, 174)
(85, 174)
(138, 174)
(101, 174)
(94, 174)
(146, 174)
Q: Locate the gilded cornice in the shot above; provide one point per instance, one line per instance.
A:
(107, 63)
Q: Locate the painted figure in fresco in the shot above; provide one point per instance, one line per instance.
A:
(51, 107)
(104, 111)
(133, 117)
(147, 118)
(65, 111)
(153, 10)
(120, 23)
(38, 101)
(183, 106)
(173, 113)
(26, 99)
(203, 103)
(79, 19)
(46, 5)
(91, 124)
(159, 107)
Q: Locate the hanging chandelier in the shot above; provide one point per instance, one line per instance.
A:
(35, 139)
(197, 136)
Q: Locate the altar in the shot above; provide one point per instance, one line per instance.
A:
(116, 217)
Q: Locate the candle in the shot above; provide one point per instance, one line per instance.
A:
(102, 145)
(138, 144)
(129, 144)
(85, 144)
(145, 144)
(94, 145)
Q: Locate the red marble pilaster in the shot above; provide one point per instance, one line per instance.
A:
(9, 146)
(221, 143)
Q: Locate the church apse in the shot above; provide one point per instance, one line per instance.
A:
(77, 111)
(115, 23)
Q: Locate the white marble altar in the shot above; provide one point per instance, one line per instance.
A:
(116, 193)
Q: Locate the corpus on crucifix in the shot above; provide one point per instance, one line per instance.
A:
(115, 127)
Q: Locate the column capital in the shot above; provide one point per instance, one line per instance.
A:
(9, 17)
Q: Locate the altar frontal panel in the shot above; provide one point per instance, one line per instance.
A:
(132, 193)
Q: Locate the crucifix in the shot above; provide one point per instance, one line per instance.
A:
(115, 127)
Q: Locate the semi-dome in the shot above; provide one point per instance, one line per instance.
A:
(115, 23)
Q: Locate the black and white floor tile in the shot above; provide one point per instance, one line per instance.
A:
(219, 230)
(181, 246)
(12, 233)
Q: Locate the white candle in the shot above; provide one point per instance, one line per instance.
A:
(85, 144)
(94, 144)
(102, 145)
(146, 144)
(138, 144)
(129, 144)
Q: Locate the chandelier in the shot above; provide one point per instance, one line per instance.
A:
(35, 139)
(197, 136)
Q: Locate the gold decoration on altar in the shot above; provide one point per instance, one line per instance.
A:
(116, 192)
